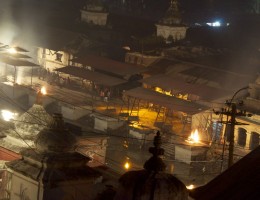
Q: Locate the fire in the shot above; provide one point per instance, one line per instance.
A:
(43, 91)
(127, 165)
(194, 137)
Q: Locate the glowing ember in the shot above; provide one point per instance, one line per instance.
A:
(194, 137)
(43, 91)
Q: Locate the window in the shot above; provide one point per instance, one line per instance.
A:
(58, 57)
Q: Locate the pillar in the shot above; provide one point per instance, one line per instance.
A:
(236, 136)
(248, 140)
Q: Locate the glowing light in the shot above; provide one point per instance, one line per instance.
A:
(127, 48)
(43, 91)
(190, 187)
(194, 137)
(127, 165)
(125, 144)
(215, 24)
(12, 50)
(8, 115)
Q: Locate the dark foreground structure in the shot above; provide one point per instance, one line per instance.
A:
(241, 181)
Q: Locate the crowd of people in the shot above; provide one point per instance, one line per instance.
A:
(54, 78)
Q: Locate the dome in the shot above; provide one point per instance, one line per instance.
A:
(55, 138)
(151, 183)
(145, 185)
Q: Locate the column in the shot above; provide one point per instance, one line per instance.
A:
(236, 136)
(248, 140)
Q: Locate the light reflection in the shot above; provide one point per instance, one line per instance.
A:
(8, 115)
(190, 187)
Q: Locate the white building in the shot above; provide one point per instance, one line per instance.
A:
(94, 13)
(171, 27)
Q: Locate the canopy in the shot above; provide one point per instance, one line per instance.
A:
(17, 62)
(108, 65)
(166, 101)
(177, 84)
(91, 75)
(15, 55)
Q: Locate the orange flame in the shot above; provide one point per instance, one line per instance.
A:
(194, 137)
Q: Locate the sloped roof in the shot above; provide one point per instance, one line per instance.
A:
(16, 55)
(179, 85)
(17, 62)
(108, 65)
(240, 181)
(218, 76)
(166, 101)
(225, 76)
(8, 155)
(96, 77)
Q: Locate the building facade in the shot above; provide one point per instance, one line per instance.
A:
(171, 27)
(94, 13)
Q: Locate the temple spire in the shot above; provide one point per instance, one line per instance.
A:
(172, 16)
(174, 6)
(155, 163)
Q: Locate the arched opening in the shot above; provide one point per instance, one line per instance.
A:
(254, 140)
(241, 137)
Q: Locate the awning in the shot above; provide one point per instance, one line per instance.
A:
(17, 62)
(19, 49)
(108, 65)
(177, 84)
(15, 55)
(91, 75)
(166, 101)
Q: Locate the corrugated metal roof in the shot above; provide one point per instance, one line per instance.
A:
(223, 76)
(91, 75)
(108, 65)
(177, 84)
(166, 101)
